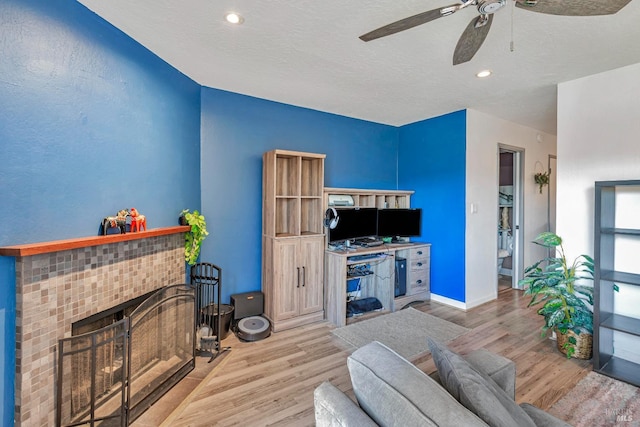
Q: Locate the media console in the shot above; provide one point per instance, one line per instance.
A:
(380, 283)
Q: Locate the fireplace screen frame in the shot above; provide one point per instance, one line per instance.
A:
(130, 363)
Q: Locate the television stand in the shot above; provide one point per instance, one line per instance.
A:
(381, 283)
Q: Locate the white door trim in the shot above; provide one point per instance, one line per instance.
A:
(517, 227)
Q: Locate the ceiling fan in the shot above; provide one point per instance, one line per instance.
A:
(475, 33)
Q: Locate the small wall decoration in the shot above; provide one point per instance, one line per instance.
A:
(119, 221)
(541, 178)
(138, 221)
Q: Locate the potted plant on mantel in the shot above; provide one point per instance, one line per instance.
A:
(565, 308)
(193, 239)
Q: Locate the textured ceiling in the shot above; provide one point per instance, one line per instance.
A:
(307, 53)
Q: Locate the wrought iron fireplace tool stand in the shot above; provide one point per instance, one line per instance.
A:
(207, 279)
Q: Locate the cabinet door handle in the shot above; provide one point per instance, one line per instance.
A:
(304, 276)
(419, 264)
(298, 277)
(419, 252)
(419, 281)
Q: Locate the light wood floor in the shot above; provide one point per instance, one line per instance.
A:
(271, 382)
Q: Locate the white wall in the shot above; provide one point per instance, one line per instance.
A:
(484, 133)
(598, 140)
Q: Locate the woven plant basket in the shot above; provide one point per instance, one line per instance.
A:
(583, 346)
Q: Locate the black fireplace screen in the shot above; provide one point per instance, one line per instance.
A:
(110, 376)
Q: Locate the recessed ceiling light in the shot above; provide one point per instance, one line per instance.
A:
(484, 73)
(234, 18)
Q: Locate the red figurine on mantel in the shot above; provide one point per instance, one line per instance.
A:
(138, 221)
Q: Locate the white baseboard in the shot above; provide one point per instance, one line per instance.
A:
(448, 301)
(481, 301)
(462, 305)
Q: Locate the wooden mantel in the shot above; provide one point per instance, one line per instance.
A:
(83, 242)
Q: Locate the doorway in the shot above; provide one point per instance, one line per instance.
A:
(510, 216)
(551, 206)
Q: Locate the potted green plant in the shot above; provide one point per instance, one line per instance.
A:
(542, 179)
(193, 239)
(566, 304)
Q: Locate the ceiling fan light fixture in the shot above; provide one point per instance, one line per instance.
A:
(490, 6)
(483, 74)
(234, 18)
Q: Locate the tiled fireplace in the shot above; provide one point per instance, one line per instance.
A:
(57, 288)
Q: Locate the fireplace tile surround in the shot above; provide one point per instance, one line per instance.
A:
(59, 287)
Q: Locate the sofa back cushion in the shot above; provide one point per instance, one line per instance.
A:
(476, 390)
(393, 392)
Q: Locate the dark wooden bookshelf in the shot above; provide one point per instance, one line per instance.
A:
(606, 322)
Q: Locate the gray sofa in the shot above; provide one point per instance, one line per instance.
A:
(477, 390)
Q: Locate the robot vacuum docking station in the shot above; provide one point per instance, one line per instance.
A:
(250, 325)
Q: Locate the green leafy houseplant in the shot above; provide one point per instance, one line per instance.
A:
(193, 239)
(542, 179)
(564, 301)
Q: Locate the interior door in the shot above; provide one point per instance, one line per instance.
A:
(518, 218)
(553, 179)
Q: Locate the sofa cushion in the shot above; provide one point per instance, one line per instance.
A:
(498, 368)
(334, 408)
(475, 390)
(393, 392)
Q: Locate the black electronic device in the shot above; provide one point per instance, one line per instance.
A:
(365, 257)
(368, 242)
(249, 325)
(361, 306)
(354, 223)
(400, 288)
(247, 304)
(399, 222)
(359, 270)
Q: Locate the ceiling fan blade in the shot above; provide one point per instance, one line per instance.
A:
(471, 39)
(410, 22)
(574, 7)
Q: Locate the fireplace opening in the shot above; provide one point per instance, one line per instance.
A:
(140, 349)
(108, 316)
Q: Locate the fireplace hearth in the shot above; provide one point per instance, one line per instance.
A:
(113, 374)
(59, 283)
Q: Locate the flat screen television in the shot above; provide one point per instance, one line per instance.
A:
(399, 222)
(354, 223)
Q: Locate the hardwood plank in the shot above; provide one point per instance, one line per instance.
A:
(271, 382)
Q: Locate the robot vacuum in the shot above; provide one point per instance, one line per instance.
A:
(253, 328)
(250, 325)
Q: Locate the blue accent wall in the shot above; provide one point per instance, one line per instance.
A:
(90, 122)
(432, 161)
(236, 131)
(7, 338)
